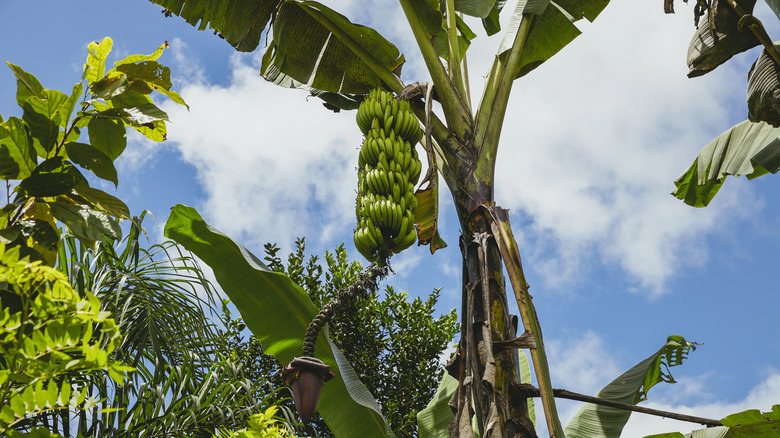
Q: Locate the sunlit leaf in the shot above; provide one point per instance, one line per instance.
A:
(746, 149)
(475, 8)
(240, 22)
(89, 225)
(91, 158)
(278, 312)
(26, 85)
(102, 200)
(108, 136)
(17, 155)
(552, 28)
(314, 46)
(95, 67)
(43, 116)
(140, 58)
(111, 85)
(595, 421)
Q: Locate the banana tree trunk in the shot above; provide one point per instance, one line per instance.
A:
(486, 375)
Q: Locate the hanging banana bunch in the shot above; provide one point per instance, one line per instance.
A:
(388, 170)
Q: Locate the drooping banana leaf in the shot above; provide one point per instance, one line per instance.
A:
(594, 421)
(717, 38)
(552, 28)
(748, 424)
(240, 22)
(313, 47)
(746, 149)
(322, 49)
(763, 89)
(775, 5)
(278, 312)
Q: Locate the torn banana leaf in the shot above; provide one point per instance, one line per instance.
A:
(763, 93)
(717, 38)
(747, 149)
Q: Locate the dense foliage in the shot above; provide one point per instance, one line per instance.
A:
(395, 345)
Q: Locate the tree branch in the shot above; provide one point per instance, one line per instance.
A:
(528, 390)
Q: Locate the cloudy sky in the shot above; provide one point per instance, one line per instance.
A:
(593, 141)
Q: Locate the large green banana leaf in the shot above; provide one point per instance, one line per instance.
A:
(278, 312)
(314, 47)
(595, 421)
(748, 424)
(749, 149)
(552, 28)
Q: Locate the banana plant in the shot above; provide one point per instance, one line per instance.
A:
(315, 48)
(750, 148)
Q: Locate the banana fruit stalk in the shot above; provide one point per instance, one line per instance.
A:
(388, 170)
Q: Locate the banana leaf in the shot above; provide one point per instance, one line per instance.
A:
(552, 29)
(763, 89)
(749, 149)
(594, 421)
(313, 48)
(747, 424)
(278, 312)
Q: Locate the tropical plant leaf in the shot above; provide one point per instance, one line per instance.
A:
(426, 215)
(433, 421)
(552, 28)
(95, 67)
(17, 154)
(746, 149)
(475, 8)
(240, 22)
(89, 225)
(747, 424)
(93, 159)
(107, 136)
(763, 89)
(718, 38)
(318, 47)
(595, 421)
(775, 6)
(278, 312)
(102, 200)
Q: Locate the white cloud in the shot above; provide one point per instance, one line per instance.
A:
(596, 137)
(273, 164)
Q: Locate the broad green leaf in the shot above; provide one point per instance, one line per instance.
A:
(434, 420)
(44, 119)
(491, 23)
(17, 155)
(51, 178)
(746, 149)
(112, 84)
(278, 312)
(316, 46)
(108, 136)
(93, 159)
(103, 201)
(747, 424)
(89, 225)
(240, 22)
(95, 67)
(763, 86)
(430, 14)
(150, 75)
(67, 107)
(475, 8)
(135, 115)
(595, 421)
(26, 85)
(551, 30)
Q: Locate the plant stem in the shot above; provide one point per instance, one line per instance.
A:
(453, 61)
(758, 30)
(529, 390)
(457, 115)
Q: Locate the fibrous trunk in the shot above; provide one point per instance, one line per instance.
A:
(485, 377)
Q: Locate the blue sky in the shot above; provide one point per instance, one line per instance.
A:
(593, 141)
